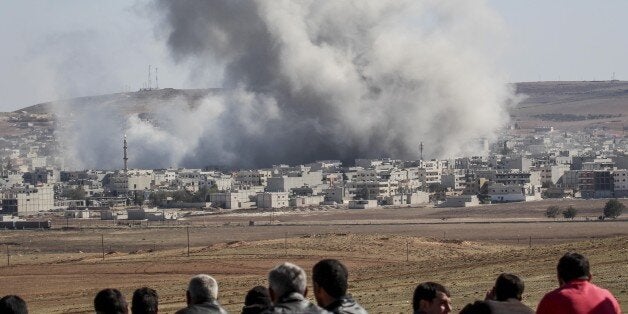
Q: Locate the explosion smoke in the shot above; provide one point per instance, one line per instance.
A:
(342, 79)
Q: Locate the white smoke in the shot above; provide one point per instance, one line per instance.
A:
(342, 79)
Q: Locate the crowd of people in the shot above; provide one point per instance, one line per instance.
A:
(287, 293)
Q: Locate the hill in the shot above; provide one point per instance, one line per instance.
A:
(573, 105)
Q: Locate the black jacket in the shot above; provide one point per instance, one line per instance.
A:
(209, 307)
(295, 303)
(345, 305)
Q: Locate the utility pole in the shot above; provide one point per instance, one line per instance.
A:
(188, 232)
(102, 245)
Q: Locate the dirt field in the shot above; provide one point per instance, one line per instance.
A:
(387, 251)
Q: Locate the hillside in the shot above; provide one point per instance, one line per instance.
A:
(573, 105)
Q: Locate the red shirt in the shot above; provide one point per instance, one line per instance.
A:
(579, 296)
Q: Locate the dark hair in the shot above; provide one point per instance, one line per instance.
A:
(477, 307)
(508, 286)
(13, 304)
(257, 296)
(332, 276)
(145, 301)
(572, 266)
(427, 291)
(110, 301)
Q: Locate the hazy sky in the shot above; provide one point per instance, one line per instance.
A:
(68, 48)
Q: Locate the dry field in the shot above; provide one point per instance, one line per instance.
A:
(387, 251)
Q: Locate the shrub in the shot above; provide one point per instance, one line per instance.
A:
(570, 212)
(613, 209)
(552, 211)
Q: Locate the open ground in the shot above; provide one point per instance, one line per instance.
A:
(388, 251)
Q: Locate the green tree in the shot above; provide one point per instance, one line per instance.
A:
(75, 193)
(552, 211)
(613, 208)
(570, 212)
(158, 198)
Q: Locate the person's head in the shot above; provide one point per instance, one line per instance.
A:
(286, 278)
(258, 296)
(110, 301)
(13, 304)
(508, 286)
(202, 288)
(431, 298)
(329, 278)
(572, 266)
(477, 307)
(145, 301)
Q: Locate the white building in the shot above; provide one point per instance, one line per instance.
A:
(461, 201)
(501, 193)
(272, 200)
(28, 200)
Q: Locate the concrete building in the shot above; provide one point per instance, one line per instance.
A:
(501, 193)
(234, 199)
(460, 201)
(284, 183)
(620, 183)
(596, 184)
(252, 177)
(272, 200)
(362, 204)
(27, 200)
(308, 200)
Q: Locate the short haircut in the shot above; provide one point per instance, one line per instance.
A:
(145, 301)
(573, 266)
(477, 307)
(203, 288)
(332, 276)
(508, 286)
(13, 304)
(110, 301)
(257, 296)
(287, 278)
(427, 291)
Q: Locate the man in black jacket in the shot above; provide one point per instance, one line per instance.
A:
(288, 289)
(330, 281)
(201, 296)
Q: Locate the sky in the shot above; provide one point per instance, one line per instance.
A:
(70, 48)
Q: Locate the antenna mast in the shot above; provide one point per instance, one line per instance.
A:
(156, 79)
(149, 82)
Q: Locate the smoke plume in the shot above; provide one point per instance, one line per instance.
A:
(343, 79)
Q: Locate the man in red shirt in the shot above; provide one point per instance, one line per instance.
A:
(576, 293)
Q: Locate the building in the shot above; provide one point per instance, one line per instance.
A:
(596, 184)
(460, 201)
(502, 193)
(272, 200)
(27, 200)
(620, 183)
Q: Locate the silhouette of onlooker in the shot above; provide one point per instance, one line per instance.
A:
(110, 301)
(257, 300)
(288, 289)
(13, 304)
(202, 296)
(477, 307)
(330, 281)
(145, 301)
(431, 298)
(576, 294)
(506, 295)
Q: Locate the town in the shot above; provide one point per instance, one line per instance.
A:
(523, 165)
